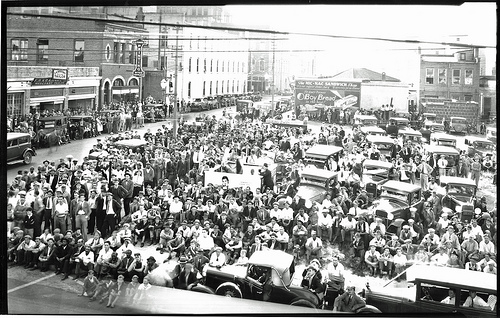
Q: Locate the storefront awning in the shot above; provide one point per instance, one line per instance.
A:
(81, 96)
(121, 91)
(55, 99)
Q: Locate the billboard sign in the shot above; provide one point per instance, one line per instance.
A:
(327, 92)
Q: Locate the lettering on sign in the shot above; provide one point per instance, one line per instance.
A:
(60, 74)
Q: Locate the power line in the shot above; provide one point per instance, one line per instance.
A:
(271, 32)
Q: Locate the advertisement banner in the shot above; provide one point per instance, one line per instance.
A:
(342, 94)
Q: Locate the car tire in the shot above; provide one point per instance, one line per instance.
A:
(201, 289)
(302, 303)
(229, 291)
(27, 157)
(368, 309)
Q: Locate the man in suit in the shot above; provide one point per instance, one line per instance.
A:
(62, 255)
(128, 185)
(111, 209)
(49, 203)
(257, 245)
(47, 256)
(186, 277)
(81, 211)
(394, 149)
(53, 179)
(348, 301)
(273, 243)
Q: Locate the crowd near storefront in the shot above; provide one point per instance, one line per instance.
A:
(93, 217)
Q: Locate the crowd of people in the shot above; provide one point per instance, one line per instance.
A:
(90, 217)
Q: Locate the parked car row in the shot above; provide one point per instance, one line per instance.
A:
(213, 102)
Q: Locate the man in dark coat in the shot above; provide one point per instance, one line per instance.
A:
(267, 178)
(186, 277)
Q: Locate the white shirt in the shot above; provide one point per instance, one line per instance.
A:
(335, 271)
(217, 260)
(86, 258)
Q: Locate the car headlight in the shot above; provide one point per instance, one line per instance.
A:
(458, 209)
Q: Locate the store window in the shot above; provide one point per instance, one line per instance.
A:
(468, 77)
(15, 103)
(442, 75)
(123, 49)
(42, 50)
(79, 50)
(456, 77)
(429, 76)
(19, 49)
(131, 54)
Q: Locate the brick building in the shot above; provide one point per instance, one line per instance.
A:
(65, 43)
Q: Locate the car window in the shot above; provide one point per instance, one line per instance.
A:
(415, 197)
(23, 140)
(482, 301)
(436, 294)
(12, 142)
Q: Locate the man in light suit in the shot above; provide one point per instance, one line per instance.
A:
(82, 211)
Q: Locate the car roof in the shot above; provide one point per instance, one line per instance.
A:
(131, 142)
(376, 138)
(318, 173)
(457, 277)
(445, 150)
(443, 136)
(377, 163)
(457, 180)
(410, 131)
(481, 139)
(15, 135)
(323, 150)
(429, 114)
(397, 185)
(271, 258)
(399, 119)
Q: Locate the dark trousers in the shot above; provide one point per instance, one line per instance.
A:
(48, 221)
(99, 219)
(109, 225)
(92, 219)
(126, 205)
(37, 230)
(63, 266)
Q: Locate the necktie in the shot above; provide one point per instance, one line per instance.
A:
(472, 303)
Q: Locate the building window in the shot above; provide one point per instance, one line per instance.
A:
(216, 87)
(222, 67)
(228, 86)
(14, 103)
(211, 65)
(204, 65)
(217, 67)
(456, 77)
(210, 87)
(468, 77)
(131, 53)
(118, 82)
(222, 88)
(429, 76)
(42, 50)
(122, 53)
(189, 90)
(204, 86)
(19, 49)
(189, 65)
(163, 62)
(232, 88)
(108, 53)
(197, 65)
(462, 56)
(234, 65)
(79, 50)
(262, 66)
(468, 98)
(116, 49)
(442, 75)
(144, 61)
(238, 86)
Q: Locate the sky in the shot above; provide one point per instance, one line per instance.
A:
(470, 23)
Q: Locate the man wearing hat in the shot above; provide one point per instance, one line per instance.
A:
(24, 255)
(217, 259)
(348, 301)
(62, 256)
(311, 279)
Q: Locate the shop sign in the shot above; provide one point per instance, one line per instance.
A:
(329, 93)
(48, 81)
(61, 74)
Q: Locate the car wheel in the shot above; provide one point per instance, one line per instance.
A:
(28, 156)
(368, 309)
(228, 291)
(303, 303)
(201, 289)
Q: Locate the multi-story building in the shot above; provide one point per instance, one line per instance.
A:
(59, 42)
(454, 76)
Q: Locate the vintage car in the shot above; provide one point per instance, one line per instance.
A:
(410, 134)
(429, 117)
(491, 134)
(49, 124)
(153, 112)
(429, 128)
(318, 155)
(460, 195)
(375, 173)
(365, 120)
(443, 139)
(373, 130)
(80, 126)
(383, 143)
(199, 104)
(245, 281)
(395, 124)
(458, 125)
(212, 102)
(442, 150)
(478, 146)
(19, 147)
(396, 199)
(316, 183)
(429, 286)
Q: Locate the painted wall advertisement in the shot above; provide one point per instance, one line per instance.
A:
(342, 94)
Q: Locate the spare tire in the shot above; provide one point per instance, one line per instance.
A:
(229, 290)
(302, 303)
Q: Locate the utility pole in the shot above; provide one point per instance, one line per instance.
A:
(272, 81)
(177, 28)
